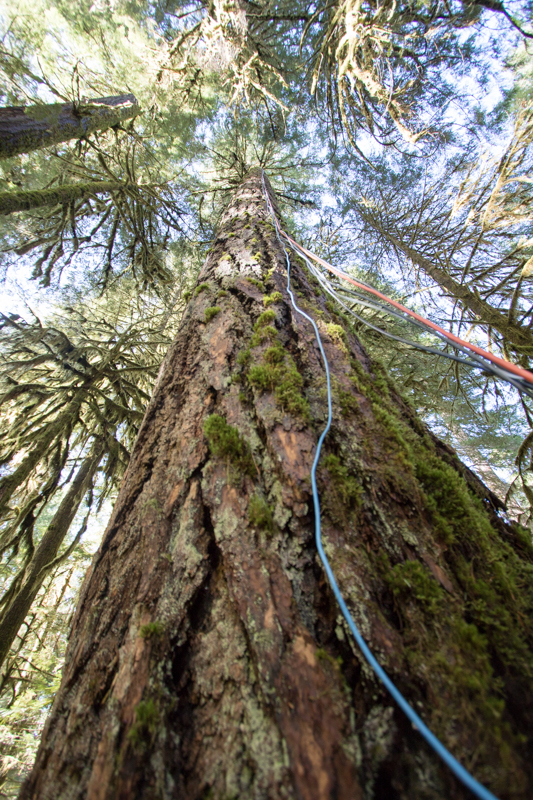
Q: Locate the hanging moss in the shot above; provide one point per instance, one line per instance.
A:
(58, 195)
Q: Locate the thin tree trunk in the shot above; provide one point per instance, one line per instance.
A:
(208, 657)
(27, 128)
(58, 195)
(39, 642)
(46, 551)
(517, 337)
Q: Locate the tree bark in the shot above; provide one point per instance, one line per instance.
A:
(208, 658)
(46, 552)
(27, 200)
(27, 128)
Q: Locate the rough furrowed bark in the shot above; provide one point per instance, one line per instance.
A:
(27, 128)
(207, 657)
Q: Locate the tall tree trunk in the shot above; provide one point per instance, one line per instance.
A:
(27, 200)
(27, 128)
(208, 657)
(46, 551)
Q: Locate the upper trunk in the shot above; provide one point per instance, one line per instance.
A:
(27, 128)
(207, 656)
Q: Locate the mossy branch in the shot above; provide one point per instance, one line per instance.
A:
(11, 202)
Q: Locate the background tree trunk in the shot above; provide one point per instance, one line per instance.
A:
(27, 128)
(59, 195)
(518, 336)
(207, 656)
(46, 552)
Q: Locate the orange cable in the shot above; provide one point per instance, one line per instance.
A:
(502, 362)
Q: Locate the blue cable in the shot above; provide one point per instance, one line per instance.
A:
(459, 771)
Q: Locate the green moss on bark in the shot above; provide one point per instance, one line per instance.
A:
(255, 282)
(265, 319)
(285, 381)
(270, 299)
(226, 442)
(152, 630)
(146, 723)
(346, 493)
(211, 312)
(260, 514)
(412, 580)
